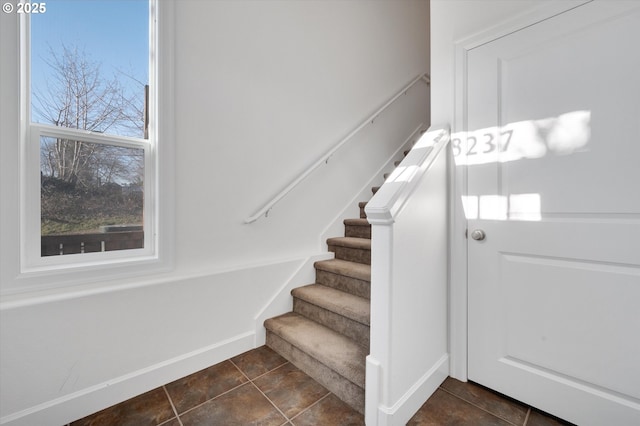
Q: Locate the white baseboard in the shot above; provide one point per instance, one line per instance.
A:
(282, 302)
(402, 411)
(74, 406)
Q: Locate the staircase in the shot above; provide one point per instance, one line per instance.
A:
(327, 334)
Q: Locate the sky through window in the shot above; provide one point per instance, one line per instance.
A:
(113, 34)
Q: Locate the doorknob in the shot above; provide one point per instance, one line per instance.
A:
(478, 234)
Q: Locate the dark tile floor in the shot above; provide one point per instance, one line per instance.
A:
(259, 387)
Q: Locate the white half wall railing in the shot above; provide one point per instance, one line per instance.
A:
(324, 159)
(409, 356)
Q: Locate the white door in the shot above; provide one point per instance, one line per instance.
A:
(553, 161)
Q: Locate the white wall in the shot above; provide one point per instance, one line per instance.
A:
(263, 92)
(453, 22)
(262, 88)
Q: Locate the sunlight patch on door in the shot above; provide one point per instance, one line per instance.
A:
(493, 207)
(562, 135)
(525, 207)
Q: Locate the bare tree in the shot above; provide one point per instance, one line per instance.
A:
(78, 96)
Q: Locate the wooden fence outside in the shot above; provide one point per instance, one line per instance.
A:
(54, 245)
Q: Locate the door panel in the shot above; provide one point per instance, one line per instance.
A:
(542, 302)
(553, 160)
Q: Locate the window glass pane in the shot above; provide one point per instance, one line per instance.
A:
(90, 65)
(91, 197)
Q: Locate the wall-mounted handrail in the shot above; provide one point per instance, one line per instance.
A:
(264, 211)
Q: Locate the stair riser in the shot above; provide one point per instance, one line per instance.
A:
(343, 388)
(357, 231)
(344, 283)
(346, 326)
(352, 254)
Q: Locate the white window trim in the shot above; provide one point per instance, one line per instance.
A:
(32, 260)
(52, 272)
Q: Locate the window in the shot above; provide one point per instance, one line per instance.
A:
(90, 154)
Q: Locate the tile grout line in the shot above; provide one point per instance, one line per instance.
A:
(211, 399)
(526, 419)
(229, 390)
(263, 374)
(478, 407)
(173, 407)
(312, 405)
(269, 399)
(274, 369)
(287, 419)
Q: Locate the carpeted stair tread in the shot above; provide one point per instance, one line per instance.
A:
(328, 347)
(356, 270)
(357, 222)
(350, 242)
(345, 304)
(343, 388)
(328, 335)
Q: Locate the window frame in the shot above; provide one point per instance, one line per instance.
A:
(156, 255)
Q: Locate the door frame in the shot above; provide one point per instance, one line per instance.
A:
(458, 256)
